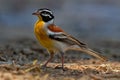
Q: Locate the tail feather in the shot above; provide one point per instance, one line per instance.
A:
(90, 52)
(94, 53)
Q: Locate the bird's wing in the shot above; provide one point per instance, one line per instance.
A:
(58, 34)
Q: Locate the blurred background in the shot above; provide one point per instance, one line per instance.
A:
(96, 22)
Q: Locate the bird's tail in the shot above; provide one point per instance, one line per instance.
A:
(91, 52)
(94, 53)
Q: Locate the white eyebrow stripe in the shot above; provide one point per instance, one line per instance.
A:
(47, 11)
(47, 15)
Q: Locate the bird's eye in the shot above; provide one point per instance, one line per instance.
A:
(46, 14)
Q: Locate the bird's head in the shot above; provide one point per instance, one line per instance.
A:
(44, 14)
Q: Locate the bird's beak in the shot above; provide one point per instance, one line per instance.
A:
(35, 13)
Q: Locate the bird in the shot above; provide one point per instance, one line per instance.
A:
(56, 40)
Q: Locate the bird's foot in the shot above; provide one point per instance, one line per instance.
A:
(63, 68)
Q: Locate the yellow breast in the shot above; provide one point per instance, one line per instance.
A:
(42, 36)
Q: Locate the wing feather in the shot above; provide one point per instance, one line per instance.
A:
(58, 34)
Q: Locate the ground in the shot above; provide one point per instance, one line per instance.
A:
(22, 60)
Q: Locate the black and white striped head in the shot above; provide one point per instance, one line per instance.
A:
(44, 14)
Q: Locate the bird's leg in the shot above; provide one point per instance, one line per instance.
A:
(51, 56)
(62, 60)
